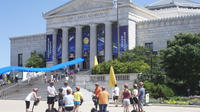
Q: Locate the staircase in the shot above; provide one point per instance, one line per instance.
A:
(21, 90)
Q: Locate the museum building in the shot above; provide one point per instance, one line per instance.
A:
(88, 28)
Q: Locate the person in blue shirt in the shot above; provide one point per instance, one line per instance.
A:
(141, 97)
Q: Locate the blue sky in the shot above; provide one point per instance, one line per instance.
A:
(24, 17)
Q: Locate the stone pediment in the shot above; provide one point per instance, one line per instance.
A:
(80, 5)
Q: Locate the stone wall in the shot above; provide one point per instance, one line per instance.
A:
(88, 81)
(25, 45)
(158, 31)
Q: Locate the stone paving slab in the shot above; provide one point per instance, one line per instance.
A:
(19, 106)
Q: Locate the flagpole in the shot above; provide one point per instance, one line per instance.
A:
(118, 38)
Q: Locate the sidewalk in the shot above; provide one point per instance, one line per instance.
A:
(19, 106)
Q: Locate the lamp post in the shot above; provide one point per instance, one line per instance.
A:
(151, 58)
(118, 38)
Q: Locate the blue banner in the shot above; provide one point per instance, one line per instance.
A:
(49, 48)
(101, 41)
(71, 44)
(86, 42)
(123, 38)
(114, 42)
(123, 33)
(59, 46)
(48, 69)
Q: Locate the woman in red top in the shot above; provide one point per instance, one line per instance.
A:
(126, 98)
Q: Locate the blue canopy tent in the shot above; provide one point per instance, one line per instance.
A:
(48, 69)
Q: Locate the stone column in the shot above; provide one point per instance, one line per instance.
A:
(93, 43)
(54, 32)
(108, 41)
(78, 43)
(65, 44)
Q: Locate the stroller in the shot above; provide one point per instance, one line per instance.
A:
(36, 102)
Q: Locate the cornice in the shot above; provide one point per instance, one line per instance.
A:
(169, 18)
(27, 36)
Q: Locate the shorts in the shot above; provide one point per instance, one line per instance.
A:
(50, 100)
(60, 103)
(135, 100)
(77, 103)
(126, 101)
(115, 98)
(140, 103)
(27, 104)
(69, 108)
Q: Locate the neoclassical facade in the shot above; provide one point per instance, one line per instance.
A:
(88, 28)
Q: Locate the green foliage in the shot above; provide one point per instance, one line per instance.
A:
(35, 61)
(181, 60)
(182, 100)
(136, 54)
(158, 90)
(120, 67)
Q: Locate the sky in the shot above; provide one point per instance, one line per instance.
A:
(24, 17)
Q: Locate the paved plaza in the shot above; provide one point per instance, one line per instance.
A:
(19, 106)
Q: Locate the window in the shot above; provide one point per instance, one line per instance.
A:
(149, 45)
(20, 60)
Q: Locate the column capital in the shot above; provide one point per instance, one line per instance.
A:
(52, 31)
(93, 24)
(65, 28)
(108, 22)
(78, 26)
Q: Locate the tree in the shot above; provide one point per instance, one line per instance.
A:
(136, 54)
(35, 61)
(181, 61)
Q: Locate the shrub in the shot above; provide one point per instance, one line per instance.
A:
(120, 67)
(158, 90)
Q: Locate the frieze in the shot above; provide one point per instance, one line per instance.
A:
(86, 16)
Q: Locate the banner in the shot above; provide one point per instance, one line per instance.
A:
(49, 48)
(59, 46)
(115, 41)
(71, 44)
(101, 41)
(123, 39)
(86, 42)
(48, 69)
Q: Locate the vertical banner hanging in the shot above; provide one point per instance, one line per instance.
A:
(59, 46)
(114, 42)
(86, 42)
(101, 40)
(72, 44)
(123, 38)
(49, 48)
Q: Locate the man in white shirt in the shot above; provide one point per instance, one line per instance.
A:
(51, 93)
(116, 95)
(66, 87)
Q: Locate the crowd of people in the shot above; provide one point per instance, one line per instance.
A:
(70, 101)
(134, 97)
